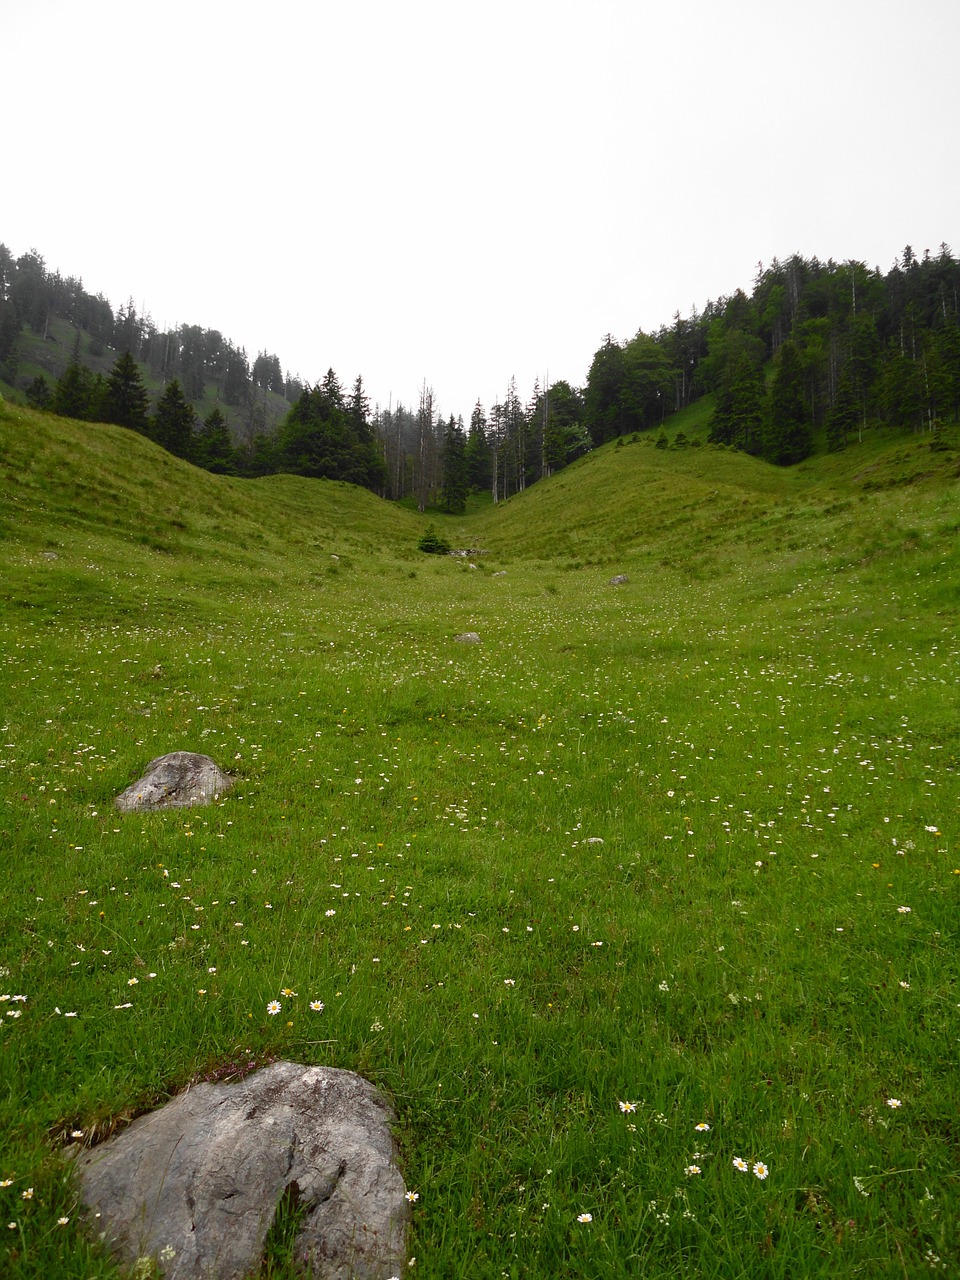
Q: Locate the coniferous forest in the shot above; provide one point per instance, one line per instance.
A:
(818, 354)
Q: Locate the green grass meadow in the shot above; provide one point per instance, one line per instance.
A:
(643, 911)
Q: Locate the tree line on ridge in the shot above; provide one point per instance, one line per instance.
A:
(817, 354)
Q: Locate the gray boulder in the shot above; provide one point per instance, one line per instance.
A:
(175, 781)
(618, 580)
(467, 637)
(195, 1186)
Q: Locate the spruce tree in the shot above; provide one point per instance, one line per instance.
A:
(213, 447)
(738, 410)
(478, 456)
(564, 436)
(325, 438)
(9, 335)
(842, 415)
(173, 423)
(358, 408)
(648, 382)
(236, 378)
(39, 394)
(77, 393)
(790, 437)
(455, 480)
(125, 401)
(603, 399)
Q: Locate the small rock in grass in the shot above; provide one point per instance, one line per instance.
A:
(175, 781)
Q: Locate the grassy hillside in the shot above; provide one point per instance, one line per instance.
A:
(643, 911)
(75, 492)
(695, 507)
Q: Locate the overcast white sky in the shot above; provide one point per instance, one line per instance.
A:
(458, 193)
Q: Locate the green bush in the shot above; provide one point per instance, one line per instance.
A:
(433, 543)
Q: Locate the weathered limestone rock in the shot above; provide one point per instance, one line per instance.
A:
(175, 781)
(196, 1185)
(467, 637)
(618, 580)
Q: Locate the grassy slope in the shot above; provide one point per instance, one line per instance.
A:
(73, 489)
(694, 507)
(643, 844)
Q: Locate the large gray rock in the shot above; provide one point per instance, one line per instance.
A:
(195, 1186)
(175, 781)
